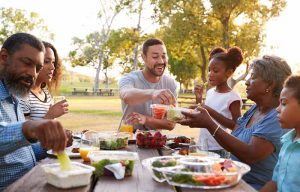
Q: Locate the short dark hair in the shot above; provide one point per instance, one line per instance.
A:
(151, 42)
(15, 41)
(293, 83)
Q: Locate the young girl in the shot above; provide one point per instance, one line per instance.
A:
(286, 172)
(222, 103)
(39, 104)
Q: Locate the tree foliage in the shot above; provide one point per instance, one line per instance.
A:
(93, 50)
(18, 20)
(195, 27)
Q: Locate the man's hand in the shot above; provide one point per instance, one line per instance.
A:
(136, 118)
(57, 110)
(164, 96)
(50, 133)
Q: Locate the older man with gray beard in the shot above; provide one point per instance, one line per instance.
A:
(21, 58)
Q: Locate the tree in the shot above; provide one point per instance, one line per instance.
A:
(18, 20)
(107, 14)
(198, 26)
(122, 45)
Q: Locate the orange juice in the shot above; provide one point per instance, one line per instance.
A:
(127, 128)
(84, 152)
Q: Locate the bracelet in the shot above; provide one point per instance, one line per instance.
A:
(216, 131)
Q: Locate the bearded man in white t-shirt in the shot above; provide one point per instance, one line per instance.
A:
(139, 89)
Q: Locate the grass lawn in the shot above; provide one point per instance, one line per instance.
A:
(103, 113)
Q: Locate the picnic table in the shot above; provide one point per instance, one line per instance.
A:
(140, 180)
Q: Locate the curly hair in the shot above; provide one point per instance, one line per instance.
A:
(232, 57)
(272, 69)
(293, 83)
(54, 83)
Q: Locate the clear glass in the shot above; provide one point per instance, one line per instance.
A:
(57, 99)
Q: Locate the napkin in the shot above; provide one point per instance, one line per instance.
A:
(117, 169)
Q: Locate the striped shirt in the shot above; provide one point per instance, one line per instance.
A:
(17, 155)
(34, 107)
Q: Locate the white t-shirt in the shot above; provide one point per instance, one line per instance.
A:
(35, 108)
(219, 102)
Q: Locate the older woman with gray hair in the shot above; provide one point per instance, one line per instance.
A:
(256, 137)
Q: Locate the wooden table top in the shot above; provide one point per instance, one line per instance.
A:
(140, 181)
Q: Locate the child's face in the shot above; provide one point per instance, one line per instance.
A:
(288, 109)
(217, 73)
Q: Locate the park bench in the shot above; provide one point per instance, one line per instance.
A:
(186, 101)
(80, 91)
(104, 92)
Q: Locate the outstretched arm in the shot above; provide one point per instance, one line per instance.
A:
(136, 118)
(258, 148)
(135, 96)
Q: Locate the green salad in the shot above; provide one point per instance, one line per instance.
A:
(114, 143)
(162, 163)
(100, 166)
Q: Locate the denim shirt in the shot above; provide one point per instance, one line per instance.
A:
(286, 172)
(17, 154)
(267, 128)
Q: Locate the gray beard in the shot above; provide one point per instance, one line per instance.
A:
(12, 85)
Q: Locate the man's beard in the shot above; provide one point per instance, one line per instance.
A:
(13, 84)
(153, 72)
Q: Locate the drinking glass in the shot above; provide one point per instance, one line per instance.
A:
(57, 99)
(126, 127)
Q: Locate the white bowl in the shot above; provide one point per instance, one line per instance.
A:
(79, 175)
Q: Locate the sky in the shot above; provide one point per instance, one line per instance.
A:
(69, 18)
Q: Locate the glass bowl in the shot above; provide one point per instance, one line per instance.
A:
(217, 179)
(154, 165)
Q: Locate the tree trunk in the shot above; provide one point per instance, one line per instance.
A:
(204, 64)
(232, 82)
(106, 79)
(225, 24)
(98, 69)
(135, 61)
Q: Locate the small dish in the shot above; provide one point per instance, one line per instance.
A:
(79, 175)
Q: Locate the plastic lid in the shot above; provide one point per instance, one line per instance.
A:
(112, 155)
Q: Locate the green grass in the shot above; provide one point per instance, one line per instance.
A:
(97, 112)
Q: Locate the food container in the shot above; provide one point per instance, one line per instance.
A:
(174, 113)
(154, 165)
(159, 111)
(99, 159)
(113, 140)
(79, 175)
(220, 177)
(199, 164)
(185, 152)
(150, 139)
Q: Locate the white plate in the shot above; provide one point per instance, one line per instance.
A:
(205, 154)
(69, 153)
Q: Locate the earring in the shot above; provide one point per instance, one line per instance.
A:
(267, 90)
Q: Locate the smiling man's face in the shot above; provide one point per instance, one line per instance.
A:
(20, 69)
(156, 59)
